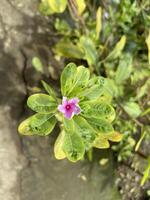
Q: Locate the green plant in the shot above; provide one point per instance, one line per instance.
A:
(122, 57)
(112, 38)
(85, 114)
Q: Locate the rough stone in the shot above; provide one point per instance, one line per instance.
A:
(11, 158)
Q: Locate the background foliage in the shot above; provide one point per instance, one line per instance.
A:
(112, 38)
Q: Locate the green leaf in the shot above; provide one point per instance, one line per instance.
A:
(91, 93)
(39, 119)
(38, 124)
(110, 89)
(73, 146)
(148, 46)
(59, 154)
(124, 69)
(67, 49)
(42, 124)
(82, 77)
(89, 49)
(62, 27)
(96, 80)
(98, 22)
(94, 89)
(74, 79)
(42, 103)
(146, 111)
(85, 130)
(80, 81)
(116, 52)
(68, 125)
(57, 6)
(49, 89)
(37, 64)
(67, 77)
(99, 110)
(132, 109)
(143, 89)
(101, 126)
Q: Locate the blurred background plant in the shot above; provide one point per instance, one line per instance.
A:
(111, 38)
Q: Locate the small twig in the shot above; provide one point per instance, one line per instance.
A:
(137, 122)
(142, 154)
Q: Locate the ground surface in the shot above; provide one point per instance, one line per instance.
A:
(28, 168)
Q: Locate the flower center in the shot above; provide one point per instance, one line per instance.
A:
(68, 107)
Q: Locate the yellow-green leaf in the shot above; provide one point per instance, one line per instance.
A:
(85, 130)
(67, 49)
(80, 81)
(101, 126)
(37, 64)
(38, 124)
(116, 52)
(101, 143)
(115, 137)
(24, 127)
(49, 89)
(148, 46)
(98, 22)
(80, 6)
(89, 49)
(146, 173)
(133, 109)
(44, 8)
(99, 110)
(58, 6)
(59, 154)
(146, 111)
(124, 68)
(67, 78)
(74, 79)
(73, 146)
(42, 103)
(140, 140)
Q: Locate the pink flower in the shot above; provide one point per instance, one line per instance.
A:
(69, 107)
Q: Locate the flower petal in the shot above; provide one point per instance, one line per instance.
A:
(64, 101)
(74, 100)
(77, 110)
(61, 108)
(68, 114)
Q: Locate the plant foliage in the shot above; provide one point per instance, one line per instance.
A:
(91, 128)
(113, 39)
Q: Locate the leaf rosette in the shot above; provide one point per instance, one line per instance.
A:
(89, 123)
